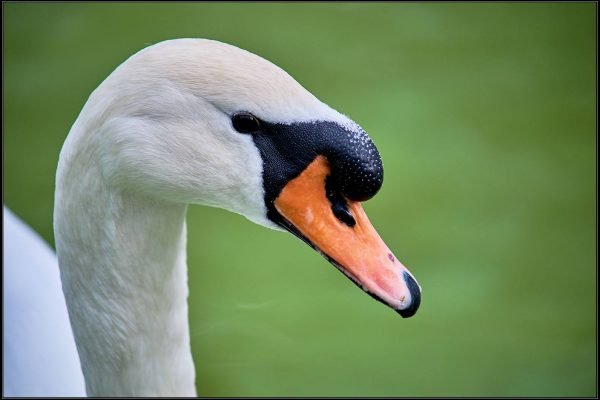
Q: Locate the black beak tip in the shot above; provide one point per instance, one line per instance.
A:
(415, 294)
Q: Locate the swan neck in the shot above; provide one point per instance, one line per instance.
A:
(124, 274)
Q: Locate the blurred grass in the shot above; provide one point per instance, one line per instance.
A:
(485, 116)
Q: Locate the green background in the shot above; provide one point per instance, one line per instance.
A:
(485, 117)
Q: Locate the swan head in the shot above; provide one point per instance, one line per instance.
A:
(199, 121)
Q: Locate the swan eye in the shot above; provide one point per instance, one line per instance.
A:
(244, 122)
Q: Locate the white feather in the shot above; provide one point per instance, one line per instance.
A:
(39, 357)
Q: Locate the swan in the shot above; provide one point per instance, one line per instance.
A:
(197, 121)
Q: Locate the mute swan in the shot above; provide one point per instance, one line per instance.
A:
(194, 121)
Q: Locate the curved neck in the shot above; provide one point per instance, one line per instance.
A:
(124, 274)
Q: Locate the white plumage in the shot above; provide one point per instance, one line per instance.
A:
(39, 354)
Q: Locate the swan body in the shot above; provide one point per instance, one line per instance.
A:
(33, 303)
(194, 121)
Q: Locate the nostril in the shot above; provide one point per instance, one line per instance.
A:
(415, 294)
(339, 206)
(343, 214)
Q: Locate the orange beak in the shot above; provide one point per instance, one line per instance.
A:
(358, 251)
